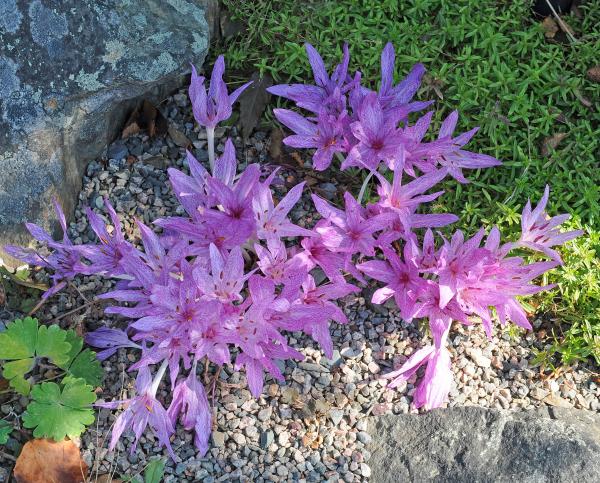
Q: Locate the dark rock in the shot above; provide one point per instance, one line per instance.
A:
(266, 438)
(484, 445)
(117, 150)
(71, 71)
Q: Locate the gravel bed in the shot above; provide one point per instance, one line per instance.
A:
(313, 427)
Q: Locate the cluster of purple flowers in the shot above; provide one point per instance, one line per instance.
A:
(218, 285)
(442, 281)
(222, 284)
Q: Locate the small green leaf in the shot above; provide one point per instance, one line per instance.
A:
(55, 414)
(154, 471)
(82, 364)
(15, 372)
(51, 343)
(76, 344)
(5, 430)
(88, 367)
(19, 339)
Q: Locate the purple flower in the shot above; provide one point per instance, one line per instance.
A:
(107, 257)
(401, 277)
(315, 308)
(377, 135)
(110, 340)
(233, 216)
(64, 259)
(271, 220)
(214, 106)
(226, 278)
(143, 410)
(355, 229)
(191, 406)
(540, 232)
(314, 97)
(190, 190)
(432, 391)
(397, 98)
(327, 136)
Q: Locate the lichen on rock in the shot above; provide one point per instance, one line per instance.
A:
(70, 73)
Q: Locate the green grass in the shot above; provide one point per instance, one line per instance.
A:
(491, 61)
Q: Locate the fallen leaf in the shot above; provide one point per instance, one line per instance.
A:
(549, 27)
(178, 137)
(107, 478)
(46, 461)
(145, 117)
(310, 181)
(230, 27)
(276, 146)
(253, 102)
(566, 28)
(593, 74)
(584, 100)
(296, 157)
(551, 143)
(289, 395)
(131, 126)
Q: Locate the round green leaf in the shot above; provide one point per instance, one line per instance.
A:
(19, 339)
(55, 413)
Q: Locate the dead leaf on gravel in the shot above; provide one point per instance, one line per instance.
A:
(46, 461)
(145, 117)
(107, 478)
(549, 27)
(276, 147)
(253, 102)
(178, 137)
(593, 74)
(296, 157)
(552, 142)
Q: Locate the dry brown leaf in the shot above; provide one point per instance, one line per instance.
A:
(310, 181)
(566, 28)
(276, 147)
(552, 142)
(145, 117)
(549, 27)
(131, 126)
(296, 157)
(179, 138)
(593, 74)
(107, 478)
(253, 102)
(47, 461)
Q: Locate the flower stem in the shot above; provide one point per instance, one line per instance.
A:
(364, 186)
(158, 377)
(210, 136)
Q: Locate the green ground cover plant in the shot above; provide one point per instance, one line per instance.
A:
(492, 62)
(56, 409)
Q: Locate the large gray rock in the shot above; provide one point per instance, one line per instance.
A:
(70, 71)
(482, 445)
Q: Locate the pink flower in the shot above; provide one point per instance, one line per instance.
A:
(143, 410)
(540, 232)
